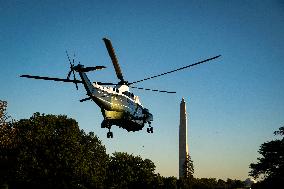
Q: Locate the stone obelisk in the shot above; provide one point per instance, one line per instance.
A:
(183, 147)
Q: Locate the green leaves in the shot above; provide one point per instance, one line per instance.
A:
(280, 131)
(128, 171)
(188, 168)
(270, 165)
(52, 152)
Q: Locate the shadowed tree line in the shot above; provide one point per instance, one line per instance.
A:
(50, 151)
(270, 166)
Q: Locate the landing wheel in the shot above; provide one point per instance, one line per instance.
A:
(109, 134)
(150, 130)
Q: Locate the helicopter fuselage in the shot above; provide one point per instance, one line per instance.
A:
(118, 106)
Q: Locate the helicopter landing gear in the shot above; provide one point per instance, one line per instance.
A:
(109, 134)
(107, 124)
(150, 129)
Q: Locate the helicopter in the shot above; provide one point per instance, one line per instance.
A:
(118, 105)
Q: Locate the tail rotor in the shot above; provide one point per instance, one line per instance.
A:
(72, 69)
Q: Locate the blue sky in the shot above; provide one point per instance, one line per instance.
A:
(234, 103)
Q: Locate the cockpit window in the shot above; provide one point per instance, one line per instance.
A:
(131, 95)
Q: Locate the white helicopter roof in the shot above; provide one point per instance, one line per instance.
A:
(125, 88)
(122, 90)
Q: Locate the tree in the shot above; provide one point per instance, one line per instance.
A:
(221, 183)
(52, 152)
(210, 183)
(205, 183)
(188, 167)
(3, 114)
(7, 143)
(280, 131)
(129, 171)
(187, 179)
(170, 182)
(234, 183)
(271, 165)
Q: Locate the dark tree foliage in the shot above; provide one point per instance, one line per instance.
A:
(271, 165)
(234, 183)
(129, 171)
(3, 113)
(205, 183)
(48, 151)
(221, 184)
(280, 131)
(157, 182)
(210, 183)
(170, 182)
(186, 181)
(7, 144)
(188, 167)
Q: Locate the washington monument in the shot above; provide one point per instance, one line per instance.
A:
(183, 147)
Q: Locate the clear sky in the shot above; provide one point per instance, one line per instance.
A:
(234, 103)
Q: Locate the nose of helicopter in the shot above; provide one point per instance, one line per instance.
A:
(149, 116)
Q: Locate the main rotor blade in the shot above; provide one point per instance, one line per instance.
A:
(103, 83)
(155, 90)
(51, 78)
(87, 69)
(113, 59)
(203, 61)
(68, 58)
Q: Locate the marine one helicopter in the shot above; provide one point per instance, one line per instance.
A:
(118, 105)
